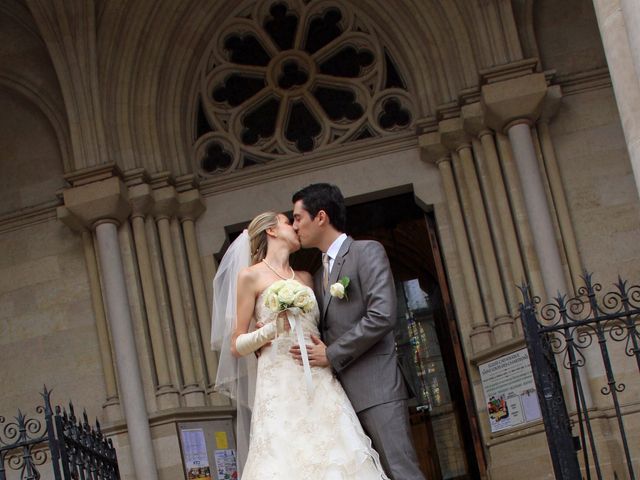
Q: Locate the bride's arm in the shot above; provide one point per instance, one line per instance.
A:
(243, 343)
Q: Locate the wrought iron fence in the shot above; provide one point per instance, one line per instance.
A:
(76, 450)
(565, 329)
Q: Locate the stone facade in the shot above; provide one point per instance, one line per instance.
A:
(515, 122)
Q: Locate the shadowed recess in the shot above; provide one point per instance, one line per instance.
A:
(338, 103)
(302, 127)
(246, 50)
(282, 26)
(237, 89)
(292, 75)
(216, 158)
(323, 30)
(393, 115)
(347, 62)
(260, 122)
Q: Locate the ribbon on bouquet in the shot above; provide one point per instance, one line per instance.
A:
(293, 316)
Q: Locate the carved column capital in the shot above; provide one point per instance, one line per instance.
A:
(141, 199)
(432, 148)
(514, 100)
(190, 205)
(165, 202)
(89, 203)
(453, 134)
(473, 120)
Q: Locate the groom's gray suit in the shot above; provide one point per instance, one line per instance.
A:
(358, 332)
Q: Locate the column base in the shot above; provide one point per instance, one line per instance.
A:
(503, 328)
(481, 338)
(217, 399)
(193, 396)
(167, 397)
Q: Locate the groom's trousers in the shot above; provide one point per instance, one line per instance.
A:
(388, 427)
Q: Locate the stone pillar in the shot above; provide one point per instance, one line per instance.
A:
(538, 209)
(103, 205)
(434, 150)
(456, 138)
(631, 11)
(165, 206)
(614, 28)
(141, 201)
(190, 208)
(512, 106)
(552, 103)
(521, 219)
(498, 208)
(112, 410)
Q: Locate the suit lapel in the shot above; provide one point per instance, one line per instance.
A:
(335, 272)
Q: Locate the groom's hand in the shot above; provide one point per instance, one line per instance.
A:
(317, 353)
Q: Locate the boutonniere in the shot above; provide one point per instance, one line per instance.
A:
(339, 289)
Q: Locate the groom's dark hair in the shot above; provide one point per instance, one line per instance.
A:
(327, 197)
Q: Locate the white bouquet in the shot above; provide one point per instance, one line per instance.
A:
(286, 294)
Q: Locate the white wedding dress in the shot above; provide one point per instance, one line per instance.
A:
(301, 436)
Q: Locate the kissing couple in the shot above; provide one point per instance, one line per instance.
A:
(310, 360)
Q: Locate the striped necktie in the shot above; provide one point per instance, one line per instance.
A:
(325, 272)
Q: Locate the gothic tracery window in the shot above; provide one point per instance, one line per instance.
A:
(289, 77)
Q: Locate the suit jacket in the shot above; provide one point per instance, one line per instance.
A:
(358, 331)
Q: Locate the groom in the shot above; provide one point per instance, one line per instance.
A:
(357, 329)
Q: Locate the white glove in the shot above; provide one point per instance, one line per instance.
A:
(247, 343)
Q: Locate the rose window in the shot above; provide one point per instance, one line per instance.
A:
(285, 78)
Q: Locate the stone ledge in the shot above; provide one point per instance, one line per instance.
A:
(29, 216)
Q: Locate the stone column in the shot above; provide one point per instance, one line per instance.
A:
(521, 219)
(513, 106)
(141, 201)
(615, 30)
(112, 410)
(103, 205)
(166, 205)
(455, 137)
(190, 208)
(552, 103)
(498, 208)
(481, 335)
(631, 11)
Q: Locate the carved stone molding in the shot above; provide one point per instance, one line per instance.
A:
(514, 100)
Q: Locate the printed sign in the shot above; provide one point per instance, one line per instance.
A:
(510, 391)
(195, 454)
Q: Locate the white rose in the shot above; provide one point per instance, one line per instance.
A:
(276, 286)
(302, 299)
(286, 294)
(271, 302)
(337, 290)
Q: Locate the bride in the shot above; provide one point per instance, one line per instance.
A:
(302, 425)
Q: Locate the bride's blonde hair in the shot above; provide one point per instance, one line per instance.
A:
(258, 234)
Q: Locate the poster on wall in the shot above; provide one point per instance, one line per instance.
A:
(195, 454)
(509, 391)
(226, 466)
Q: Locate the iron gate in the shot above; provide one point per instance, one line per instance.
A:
(566, 328)
(76, 450)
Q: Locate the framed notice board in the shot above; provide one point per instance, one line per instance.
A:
(208, 449)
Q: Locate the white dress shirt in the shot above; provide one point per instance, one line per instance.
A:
(334, 248)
